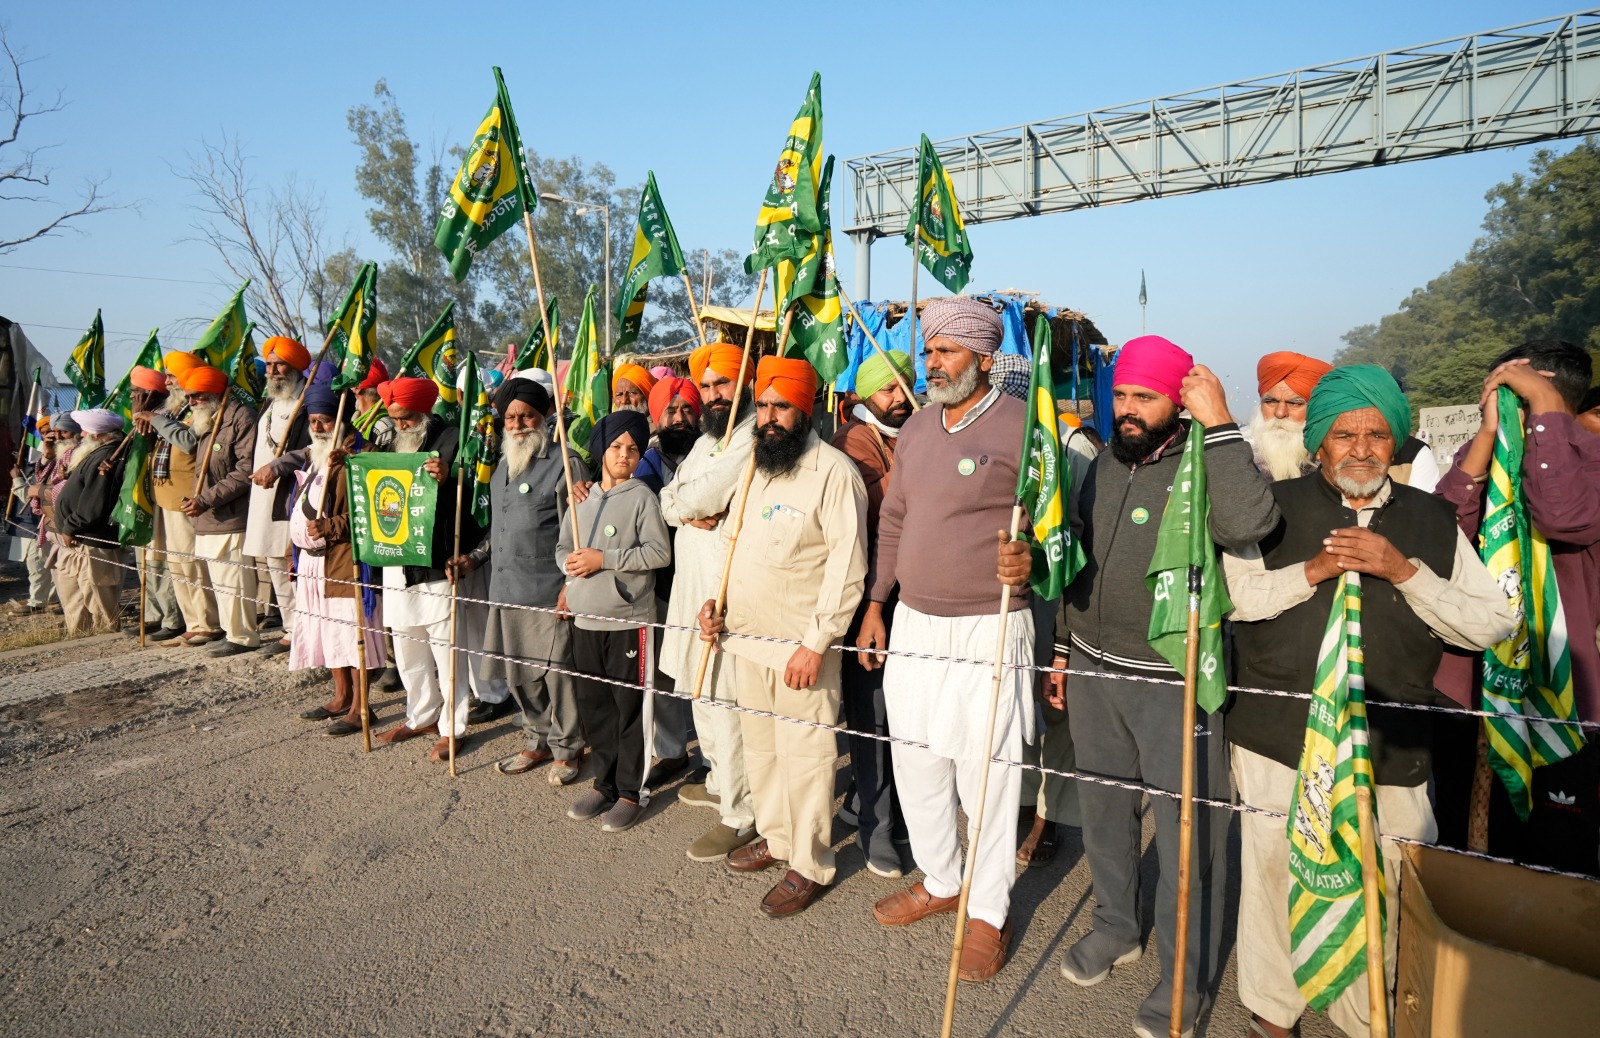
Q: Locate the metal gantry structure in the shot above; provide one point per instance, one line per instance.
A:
(1527, 83)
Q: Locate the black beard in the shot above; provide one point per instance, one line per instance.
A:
(894, 418)
(714, 420)
(1131, 449)
(677, 442)
(778, 450)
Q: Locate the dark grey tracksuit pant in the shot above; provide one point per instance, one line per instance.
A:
(1131, 730)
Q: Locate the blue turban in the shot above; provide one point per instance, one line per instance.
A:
(614, 425)
(63, 423)
(1355, 388)
(321, 399)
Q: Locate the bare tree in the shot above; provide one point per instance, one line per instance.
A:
(272, 236)
(22, 178)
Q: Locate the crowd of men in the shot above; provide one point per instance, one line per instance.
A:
(865, 586)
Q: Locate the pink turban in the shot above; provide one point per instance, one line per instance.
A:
(968, 322)
(1154, 363)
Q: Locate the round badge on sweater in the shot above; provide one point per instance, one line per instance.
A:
(966, 466)
(611, 531)
(522, 488)
(215, 447)
(1140, 516)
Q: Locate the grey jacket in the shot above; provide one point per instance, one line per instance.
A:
(526, 515)
(1105, 613)
(625, 524)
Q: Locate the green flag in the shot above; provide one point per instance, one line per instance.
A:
(1527, 678)
(477, 451)
(942, 247)
(587, 389)
(789, 211)
(246, 381)
(533, 353)
(491, 190)
(225, 334)
(655, 254)
(392, 505)
(135, 510)
(810, 284)
(1327, 931)
(354, 331)
(86, 366)
(120, 399)
(1044, 482)
(1185, 557)
(435, 357)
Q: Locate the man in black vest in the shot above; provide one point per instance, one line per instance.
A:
(1422, 585)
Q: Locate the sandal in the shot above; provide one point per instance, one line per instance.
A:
(523, 762)
(1040, 846)
(565, 772)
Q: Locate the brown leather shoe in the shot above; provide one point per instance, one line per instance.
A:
(911, 904)
(984, 951)
(792, 894)
(752, 857)
(400, 733)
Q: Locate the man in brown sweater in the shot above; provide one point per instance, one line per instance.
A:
(954, 485)
(172, 475)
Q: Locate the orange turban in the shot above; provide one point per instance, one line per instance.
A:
(147, 378)
(641, 379)
(1297, 369)
(669, 389)
(287, 350)
(203, 379)
(793, 377)
(409, 394)
(180, 364)
(721, 357)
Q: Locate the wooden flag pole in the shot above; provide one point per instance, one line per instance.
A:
(361, 637)
(694, 311)
(450, 701)
(338, 422)
(916, 266)
(1482, 787)
(1191, 670)
(144, 561)
(32, 412)
(560, 404)
(904, 388)
(203, 462)
(744, 361)
(737, 516)
(973, 840)
(311, 374)
(1377, 983)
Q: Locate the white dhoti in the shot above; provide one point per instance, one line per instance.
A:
(419, 618)
(234, 582)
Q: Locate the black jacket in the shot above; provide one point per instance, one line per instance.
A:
(84, 503)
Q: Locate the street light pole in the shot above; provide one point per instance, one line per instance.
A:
(583, 209)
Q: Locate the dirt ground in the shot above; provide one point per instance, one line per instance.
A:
(181, 855)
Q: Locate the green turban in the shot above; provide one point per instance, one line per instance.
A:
(878, 370)
(1355, 388)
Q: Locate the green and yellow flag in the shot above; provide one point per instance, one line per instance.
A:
(354, 330)
(655, 254)
(246, 381)
(1186, 558)
(392, 507)
(1527, 679)
(477, 452)
(533, 353)
(1327, 931)
(135, 510)
(942, 245)
(491, 190)
(224, 336)
(789, 211)
(86, 367)
(587, 390)
(811, 284)
(1044, 483)
(435, 357)
(120, 399)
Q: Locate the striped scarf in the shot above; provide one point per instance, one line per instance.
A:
(1527, 677)
(1327, 933)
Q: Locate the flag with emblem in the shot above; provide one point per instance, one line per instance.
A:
(120, 398)
(246, 380)
(533, 353)
(135, 510)
(655, 254)
(435, 357)
(491, 191)
(810, 284)
(224, 336)
(1327, 921)
(476, 453)
(353, 331)
(392, 507)
(31, 439)
(941, 245)
(86, 365)
(1184, 574)
(788, 214)
(1044, 483)
(587, 389)
(1527, 678)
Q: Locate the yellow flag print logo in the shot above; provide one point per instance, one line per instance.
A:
(390, 493)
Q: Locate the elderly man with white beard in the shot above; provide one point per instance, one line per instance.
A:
(527, 502)
(281, 428)
(87, 575)
(1276, 433)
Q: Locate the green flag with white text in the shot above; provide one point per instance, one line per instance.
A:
(810, 284)
(477, 451)
(120, 399)
(588, 383)
(788, 213)
(86, 366)
(247, 382)
(224, 336)
(491, 191)
(354, 330)
(135, 510)
(942, 245)
(392, 507)
(435, 357)
(655, 254)
(533, 353)
(1044, 481)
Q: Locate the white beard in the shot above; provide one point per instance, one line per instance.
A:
(283, 389)
(519, 450)
(321, 445)
(1280, 446)
(409, 441)
(955, 390)
(204, 418)
(177, 400)
(87, 445)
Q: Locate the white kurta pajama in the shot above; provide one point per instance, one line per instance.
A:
(423, 612)
(324, 627)
(266, 543)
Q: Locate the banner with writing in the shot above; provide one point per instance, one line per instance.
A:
(392, 508)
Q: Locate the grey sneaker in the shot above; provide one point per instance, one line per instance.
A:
(1089, 961)
(592, 804)
(887, 868)
(715, 844)
(624, 814)
(695, 794)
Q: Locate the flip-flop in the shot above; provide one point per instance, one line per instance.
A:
(520, 763)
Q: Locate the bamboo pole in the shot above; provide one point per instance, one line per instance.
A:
(32, 412)
(1482, 786)
(744, 361)
(560, 404)
(1191, 666)
(904, 388)
(338, 422)
(694, 311)
(1377, 983)
(916, 266)
(974, 840)
(311, 374)
(144, 560)
(361, 636)
(450, 700)
(203, 462)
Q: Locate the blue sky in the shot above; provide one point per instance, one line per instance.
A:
(702, 94)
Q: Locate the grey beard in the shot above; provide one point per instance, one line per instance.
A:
(287, 389)
(1356, 490)
(88, 443)
(957, 389)
(1280, 447)
(519, 451)
(321, 446)
(409, 441)
(203, 419)
(177, 400)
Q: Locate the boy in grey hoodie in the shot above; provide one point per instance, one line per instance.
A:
(611, 593)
